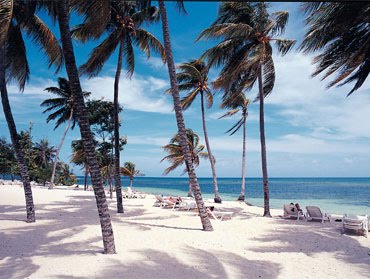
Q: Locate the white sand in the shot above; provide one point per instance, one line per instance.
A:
(152, 242)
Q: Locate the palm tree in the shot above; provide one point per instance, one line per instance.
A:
(78, 157)
(44, 153)
(193, 78)
(247, 30)
(206, 223)
(83, 122)
(176, 156)
(238, 103)
(62, 108)
(123, 28)
(129, 170)
(16, 17)
(340, 31)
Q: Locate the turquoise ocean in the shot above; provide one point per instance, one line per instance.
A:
(333, 194)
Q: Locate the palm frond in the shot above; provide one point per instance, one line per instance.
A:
(16, 62)
(278, 24)
(147, 41)
(45, 39)
(100, 54)
(189, 99)
(6, 14)
(284, 45)
(129, 55)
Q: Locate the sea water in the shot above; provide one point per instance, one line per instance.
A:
(333, 195)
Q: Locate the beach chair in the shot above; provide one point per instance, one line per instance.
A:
(291, 211)
(219, 215)
(187, 204)
(314, 214)
(357, 223)
(159, 201)
(135, 194)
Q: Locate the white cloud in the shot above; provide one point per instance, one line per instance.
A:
(155, 63)
(141, 93)
(305, 102)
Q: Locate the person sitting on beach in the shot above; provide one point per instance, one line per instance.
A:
(174, 199)
(295, 206)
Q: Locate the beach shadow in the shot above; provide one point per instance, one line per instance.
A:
(199, 264)
(325, 237)
(52, 235)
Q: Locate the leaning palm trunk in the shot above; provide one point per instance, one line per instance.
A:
(86, 136)
(242, 192)
(211, 158)
(30, 208)
(58, 150)
(266, 196)
(207, 226)
(117, 175)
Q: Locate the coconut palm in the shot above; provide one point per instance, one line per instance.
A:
(123, 28)
(129, 170)
(341, 32)
(193, 78)
(44, 153)
(62, 111)
(78, 157)
(207, 226)
(238, 103)
(176, 156)
(246, 31)
(16, 19)
(60, 7)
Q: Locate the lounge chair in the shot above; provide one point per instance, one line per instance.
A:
(314, 213)
(221, 215)
(291, 211)
(134, 194)
(159, 201)
(357, 223)
(187, 204)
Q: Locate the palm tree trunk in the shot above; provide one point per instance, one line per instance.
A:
(206, 223)
(58, 150)
(117, 175)
(131, 180)
(266, 196)
(242, 193)
(211, 158)
(190, 192)
(30, 208)
(83, 122)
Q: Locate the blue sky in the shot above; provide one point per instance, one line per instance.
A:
(310, 131)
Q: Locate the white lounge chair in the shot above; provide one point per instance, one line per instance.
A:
(357, 223)
(221, 215)
(187, 204)
(291, 211)
(134, 194)
(314, 214)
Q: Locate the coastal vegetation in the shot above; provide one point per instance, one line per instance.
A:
(193, 79)
(176, 156)
(246, 36)
(120, 22)
(245, 54)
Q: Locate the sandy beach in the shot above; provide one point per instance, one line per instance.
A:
(153, 242)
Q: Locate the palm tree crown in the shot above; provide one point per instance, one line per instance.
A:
(341, 31)
(122, 22)
(236, 103)
(176, 155)
(246, 30)
(62, 105)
